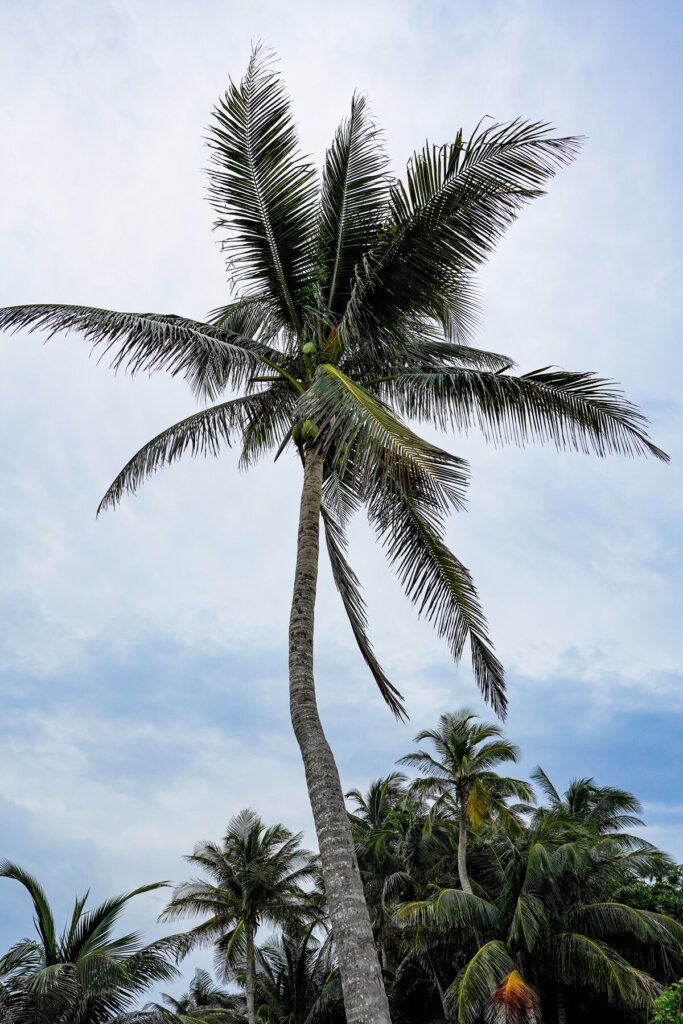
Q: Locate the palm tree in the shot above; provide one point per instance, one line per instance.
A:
(543, 937)
(203, 1003)
(86, 975)
(356, 309)
(256, 877)
(461, 778)
(297, 981)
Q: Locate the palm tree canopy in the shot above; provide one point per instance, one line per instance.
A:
(462, 771)
(256, 876)
(355, 310)
(84, 975)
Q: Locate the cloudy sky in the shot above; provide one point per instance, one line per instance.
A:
(143, 655)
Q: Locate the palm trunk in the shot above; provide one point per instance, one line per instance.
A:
(462, 850)
(365, 1001)
(561, 1008)
(251, 975)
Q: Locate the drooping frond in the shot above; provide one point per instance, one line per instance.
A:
(445, 220)
(440, 586)
(349, 590)
(593, 965)
(366, 437)
(354, 195)
(455, 908)
(268, 423)
(262, 189)
(572, 410)
(513, 1002)
(528, 921)
(43, 914)
(471, 991)
(204, 433)
(207, 357)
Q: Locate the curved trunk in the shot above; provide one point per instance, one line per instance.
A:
(365, 1001)
(462, 850)
(250, 975)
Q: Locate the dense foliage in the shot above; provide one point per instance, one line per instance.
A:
(492, 899)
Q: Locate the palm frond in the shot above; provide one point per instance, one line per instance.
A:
(456, 202)
(595, 966)
(262, 189)
(513, 1002)
(44, 918)
(471, 992)
(354, 195)
(204, 433)
(579, 411)
(452, 907)
(528, 921)
(207, 357)
(349, 589)
(440, 586)
(363, 435)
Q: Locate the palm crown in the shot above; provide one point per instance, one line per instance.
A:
(85, 975)
(356, 311)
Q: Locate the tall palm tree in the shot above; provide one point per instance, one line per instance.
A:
(86, 975)
(355, 310)
(255, 876)
(462, 778)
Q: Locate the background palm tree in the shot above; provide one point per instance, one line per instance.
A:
(461, 778)
(546, 934)
(256, 877)
(205, 1002)
(356, 309)
(297, 981)
(85, 975)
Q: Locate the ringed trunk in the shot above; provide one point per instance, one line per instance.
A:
(250, 975)
(462, 850)
(561, 1008)
(365, 1001)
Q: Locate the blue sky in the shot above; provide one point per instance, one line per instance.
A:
(142, 656)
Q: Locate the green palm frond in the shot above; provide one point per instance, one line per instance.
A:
(204, 433)
(353, 201)
(366, 438)
(268, 423)
(262, 189)
(528, 921)
(457, 201)
(252, 315)
(593, 965)
(207, 357)
(440, 586)
(43, 914)
(349, 589)
(452, 907)
(579, 411)
(618, 919)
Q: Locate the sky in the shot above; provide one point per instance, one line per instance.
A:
(143, 654)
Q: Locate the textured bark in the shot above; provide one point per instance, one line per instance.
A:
(251, 975)
(561, 1008)
(365, 1001)
(462, 850)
